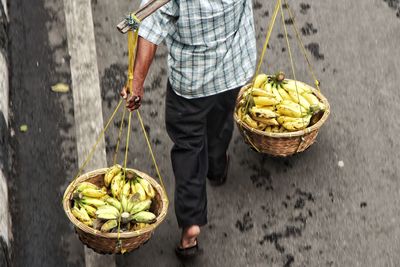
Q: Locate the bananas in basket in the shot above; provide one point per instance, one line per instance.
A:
(275, 104)
(123, 204)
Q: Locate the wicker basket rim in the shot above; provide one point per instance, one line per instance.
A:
(130, 234)
(290, 134)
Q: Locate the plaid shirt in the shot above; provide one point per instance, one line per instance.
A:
(211, 44)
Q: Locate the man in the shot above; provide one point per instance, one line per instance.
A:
(212, 53)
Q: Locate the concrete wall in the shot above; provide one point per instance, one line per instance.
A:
(5, 221)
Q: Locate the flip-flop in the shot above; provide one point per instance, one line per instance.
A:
(188, 253)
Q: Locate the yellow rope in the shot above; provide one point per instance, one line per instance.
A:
(132, 42)
(127, 142)
(151, 152)
(91, 153)
(303, 49)
(267, 38)
(291, 59)
(119, 136)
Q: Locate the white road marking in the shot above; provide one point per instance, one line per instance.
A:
(4, 2)
(5, 223)
(4, 86)
(86, 94)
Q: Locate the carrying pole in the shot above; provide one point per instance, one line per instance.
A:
(142, 13)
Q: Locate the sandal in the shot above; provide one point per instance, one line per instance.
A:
(188, 253)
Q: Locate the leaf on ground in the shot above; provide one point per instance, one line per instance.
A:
(23, 128)
(60, 88)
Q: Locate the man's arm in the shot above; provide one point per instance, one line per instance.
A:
(144, 57)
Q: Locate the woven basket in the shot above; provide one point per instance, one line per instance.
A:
(110, 243)
(281, 144)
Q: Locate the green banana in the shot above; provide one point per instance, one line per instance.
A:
(93, 201)
(107, 213)
(126, 189)
(144, 217)
(141, 206)
(124, 202)
(114, 202)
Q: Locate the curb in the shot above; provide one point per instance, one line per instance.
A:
(5, 218)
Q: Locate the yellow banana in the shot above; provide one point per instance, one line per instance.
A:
(268, 88)
(89, 223)
(284, 94)
(275, 129)
(139, 226)
(116, 185)
(276, 94)
(266, 122)
(140, 190)
(265, 101)
(291, 109)
(109, 225)
(260, 80)
(90, 210)
(311, 99)
(299, 124)
(262, 113)
(86, 185)
(148, 188)
(95, 193)
(249, 121)
(293, 86)
(79, 214)
(268, 129)
(299, 99)
(85, 214)
(304, 88)
(261, 92)
(113, 171)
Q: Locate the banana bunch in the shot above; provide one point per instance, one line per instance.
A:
(275, 104)
(123, 203)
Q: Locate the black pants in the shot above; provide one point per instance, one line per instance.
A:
(201, 130)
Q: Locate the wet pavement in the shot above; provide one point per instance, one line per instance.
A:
(334, 205)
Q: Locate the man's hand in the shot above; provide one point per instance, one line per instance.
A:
(134, 100)
(144, 56)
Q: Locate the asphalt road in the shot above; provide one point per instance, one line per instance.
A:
(334, 205)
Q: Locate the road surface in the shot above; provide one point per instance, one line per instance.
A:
(337, 204)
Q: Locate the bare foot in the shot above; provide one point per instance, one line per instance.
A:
(189, 236)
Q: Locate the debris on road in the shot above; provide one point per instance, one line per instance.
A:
(23, 128)
(60, 88)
